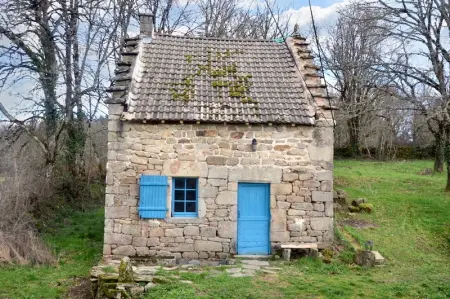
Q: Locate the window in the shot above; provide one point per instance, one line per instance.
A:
(184, 203)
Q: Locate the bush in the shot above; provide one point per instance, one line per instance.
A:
(21, 189)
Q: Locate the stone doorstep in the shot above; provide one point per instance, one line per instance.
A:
(252, 257)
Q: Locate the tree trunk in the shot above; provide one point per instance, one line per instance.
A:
(353, 130)
(447, 187)
(439, 155)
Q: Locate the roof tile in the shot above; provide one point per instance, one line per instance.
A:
(166, 62)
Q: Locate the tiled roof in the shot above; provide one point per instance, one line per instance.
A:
(215, 80)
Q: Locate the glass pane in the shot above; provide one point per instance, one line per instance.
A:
(179, 195)
(191, 183)
(191, 207)
(190, 195)
(179, 183)
(179, 207)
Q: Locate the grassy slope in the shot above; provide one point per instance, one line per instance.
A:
(77, 245)
(413, 217)
(412, 212)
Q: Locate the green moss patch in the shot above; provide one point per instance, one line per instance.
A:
(224, 74)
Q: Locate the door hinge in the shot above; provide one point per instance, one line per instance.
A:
(239, 214)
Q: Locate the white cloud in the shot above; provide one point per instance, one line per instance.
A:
(322, 15)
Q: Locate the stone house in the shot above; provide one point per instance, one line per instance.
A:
(216, 147)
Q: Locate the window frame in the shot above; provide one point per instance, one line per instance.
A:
(184, 214)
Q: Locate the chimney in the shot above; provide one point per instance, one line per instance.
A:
(146, 24)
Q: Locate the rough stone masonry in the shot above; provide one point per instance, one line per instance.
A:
(295, 160)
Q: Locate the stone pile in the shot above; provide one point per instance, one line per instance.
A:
(114, 279)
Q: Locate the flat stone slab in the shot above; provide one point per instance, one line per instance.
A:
(146, 270)
(249, 271)
(256, 262)
(141, 278)
(233, 270)
(186, 281)
(253, 257)
(214, 273)
(273, 268)
(250, 266)
(379, 259)
(242, 275)
(299, 246)
(268, 271)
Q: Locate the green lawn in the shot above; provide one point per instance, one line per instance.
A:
(77, 243)
(412, 230)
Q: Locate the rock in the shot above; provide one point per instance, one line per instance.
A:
(353, 209)
(322, 223)
(208, 231)
(322, 196)
(268, 271)
(191, 231)
(126, 250)
(242, 274)
(226, 198)
(201, 245)
(218, 173)
(273, 268)
(174, 232)
(366, 207)
(148, 286)
(161, 280)
(186, 281)
(256, 262)
(279, 236)
(227, 229)
(358, 201)
(252, 267)
(117, 212)
(136, 291)
(365, 258)
(379, 259)
(233, 270)
(194, 262)
(324, 176)
(125, 270)
(119, 239)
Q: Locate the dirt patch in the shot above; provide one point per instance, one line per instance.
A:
(357, 223)
(81, 289)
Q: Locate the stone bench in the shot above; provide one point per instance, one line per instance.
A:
(312, 249)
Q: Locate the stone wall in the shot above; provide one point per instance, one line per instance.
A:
(296, 161)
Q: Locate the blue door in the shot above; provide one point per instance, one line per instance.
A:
(253, 219)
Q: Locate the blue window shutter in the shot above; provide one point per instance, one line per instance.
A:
(153, 196)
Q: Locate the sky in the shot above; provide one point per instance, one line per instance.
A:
(324, 14)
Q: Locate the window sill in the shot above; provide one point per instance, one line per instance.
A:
(186, 220)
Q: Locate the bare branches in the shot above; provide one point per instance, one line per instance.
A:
(24, 127)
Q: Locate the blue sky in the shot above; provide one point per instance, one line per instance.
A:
(324, 14)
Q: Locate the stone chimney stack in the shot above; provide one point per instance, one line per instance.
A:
(146, 24)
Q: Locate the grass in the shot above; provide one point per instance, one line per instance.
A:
(411, 230)
(76, 241)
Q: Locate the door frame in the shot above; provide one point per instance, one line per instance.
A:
(267, 186)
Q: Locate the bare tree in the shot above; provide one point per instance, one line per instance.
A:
(421, 62)
(354, 46)
(64, 48)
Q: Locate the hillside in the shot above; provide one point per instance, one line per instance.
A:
(410, 226)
